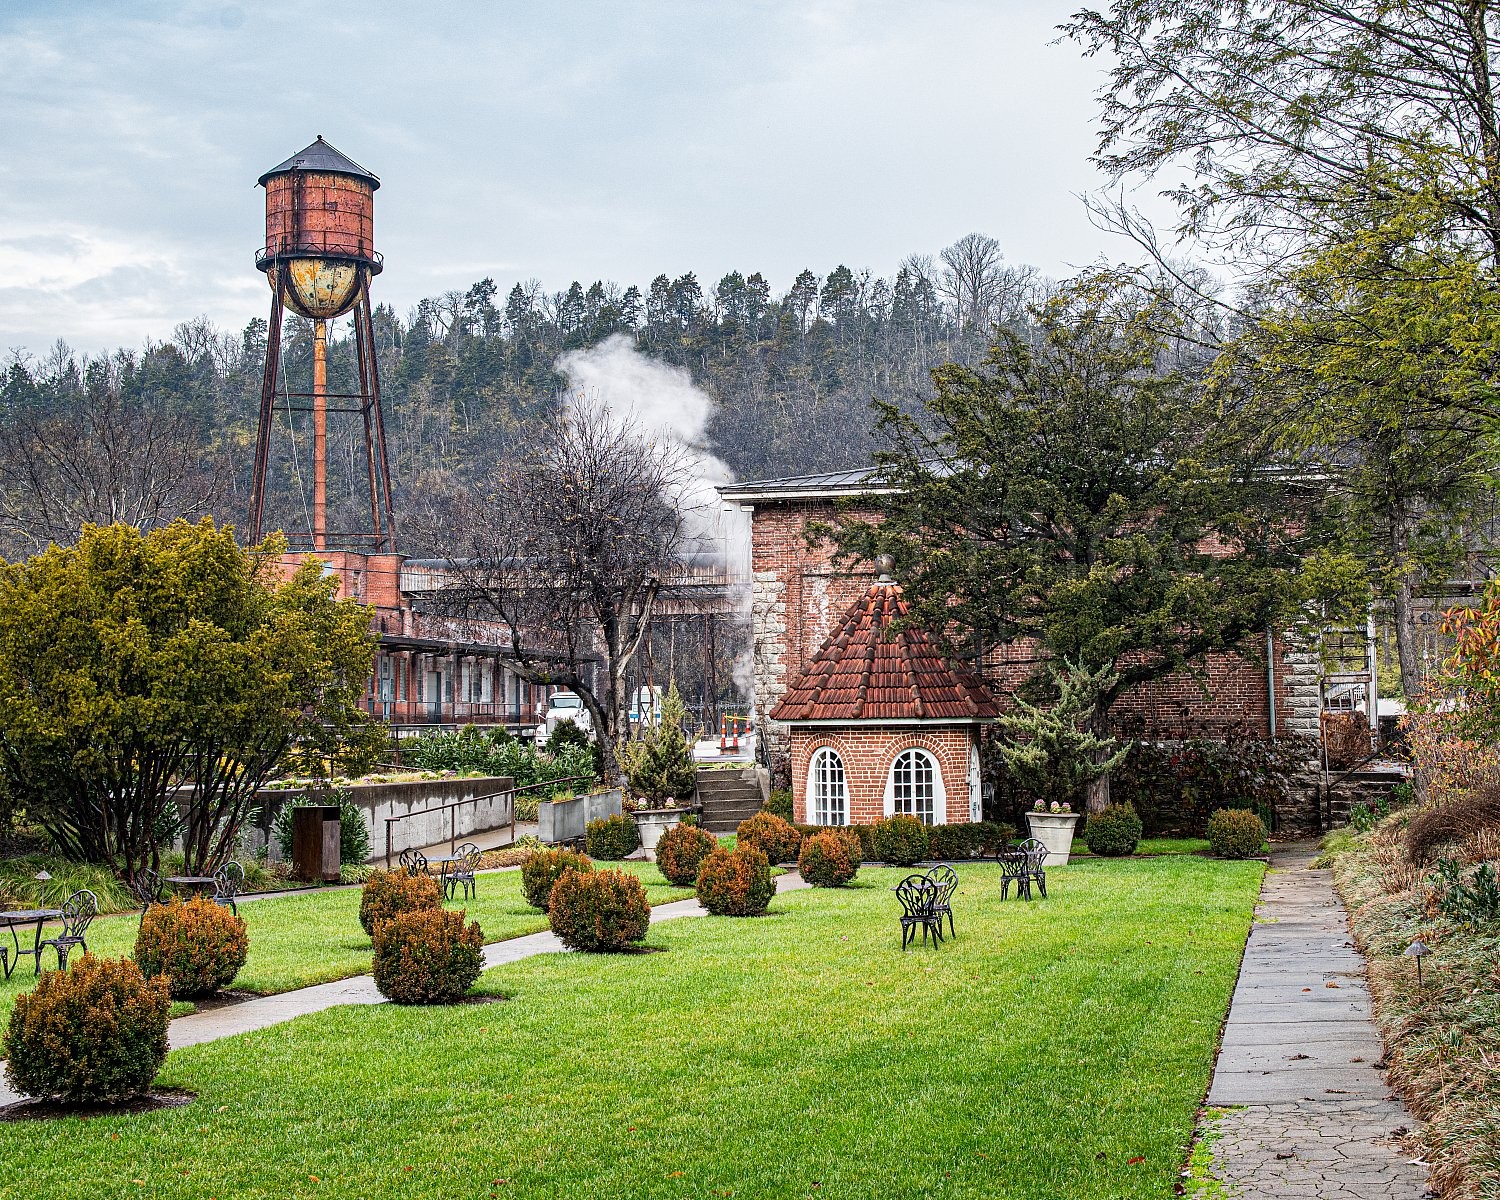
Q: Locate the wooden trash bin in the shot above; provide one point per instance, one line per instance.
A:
(315, 843)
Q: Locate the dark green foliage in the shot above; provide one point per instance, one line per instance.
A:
(1050, 750)
(1364, 815)
(779, 803)
(978, 839)
(659, 763)
(544, 868)
(95, 1033)
(778, 840)
(1113, 833)
(830, 858)
(681, 851)
(735, 883)
(1471, 900)
(495, 752)
(198, 945)
(1174, 786)
(566, 735)
(599, 910)
(388, 894)
(1236, 833)
(354, 834)
(427, 956)
(612, 838)
(900, 840)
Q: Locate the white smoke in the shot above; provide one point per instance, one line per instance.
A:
(661, 400)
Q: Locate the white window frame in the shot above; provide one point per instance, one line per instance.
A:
(816, 797)
(939, 793)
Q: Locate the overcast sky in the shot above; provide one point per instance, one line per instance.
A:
(572, 141)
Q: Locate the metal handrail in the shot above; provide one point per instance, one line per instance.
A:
(512, 792)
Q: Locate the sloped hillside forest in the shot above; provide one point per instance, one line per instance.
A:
(146, 435)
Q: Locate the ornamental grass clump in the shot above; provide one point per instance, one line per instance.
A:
(599, 910)
(388, 894)
(197, 946)
(94, 1034)
(544, 868)
(427, 956)
(900, 840)
(1235, 833)
(735, 883)
(829, 859)
(778, 840)
(1113, 833)
(680, 853)
(611, 838)
(1450, 822)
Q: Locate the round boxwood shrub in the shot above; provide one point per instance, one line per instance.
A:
(93, 1034)
(828, 859)
(197, 945)
(544, 868)
(1235, 833)
(735, 883)
(1113, 833)
(389, 893)
(599, 910)
(681, 851)
(900, 840)
(427, 956)
(611, 838)
(778, 840)
(779, 803)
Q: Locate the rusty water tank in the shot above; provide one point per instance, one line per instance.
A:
(320, 231)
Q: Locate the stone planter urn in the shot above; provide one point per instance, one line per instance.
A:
(1055, 831)
(651, 823)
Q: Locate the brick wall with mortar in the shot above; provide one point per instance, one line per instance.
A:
(798, 593)
(867, 755)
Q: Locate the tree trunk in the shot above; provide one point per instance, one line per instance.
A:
(1098, 792)
(1404, 609)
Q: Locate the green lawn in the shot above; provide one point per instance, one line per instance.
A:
(1057, 1048)
(316, 937)
(1155, 845)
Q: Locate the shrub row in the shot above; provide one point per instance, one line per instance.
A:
(611, 838)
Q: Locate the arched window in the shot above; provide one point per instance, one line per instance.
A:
(827, 789)
(915, 788)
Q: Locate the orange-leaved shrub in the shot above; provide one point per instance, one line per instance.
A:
(96, 1033)
(198, 945)
(543, 868)
(427, 956)
(735, 883)
(599, 910)
(680, 852)
(778, 840)
(388, 894)
(829, 859)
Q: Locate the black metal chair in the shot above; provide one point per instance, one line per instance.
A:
(229, 882)
(147, 888)
(78, 914)
(917, 894)
(945, 879)
(460, 872)
(414, 862)
(1021, 864)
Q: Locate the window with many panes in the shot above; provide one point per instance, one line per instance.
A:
(913, 786)
(827, 789)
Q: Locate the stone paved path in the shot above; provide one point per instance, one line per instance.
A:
(1308, 1113)
(264, 1011)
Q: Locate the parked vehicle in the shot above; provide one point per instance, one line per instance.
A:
(564, 706)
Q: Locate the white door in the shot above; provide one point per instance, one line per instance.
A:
(976, 785)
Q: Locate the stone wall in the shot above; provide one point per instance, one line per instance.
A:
(868, 754)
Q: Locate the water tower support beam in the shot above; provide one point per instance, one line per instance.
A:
(361, 348)
(267, 415)
(362, 312)
(320, 435)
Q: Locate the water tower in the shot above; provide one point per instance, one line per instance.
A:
(319, 258)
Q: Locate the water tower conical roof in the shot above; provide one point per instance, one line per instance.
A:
(321, 156)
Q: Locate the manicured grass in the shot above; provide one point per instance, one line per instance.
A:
(1156, 845)
(1056, 1048)
(316, 937)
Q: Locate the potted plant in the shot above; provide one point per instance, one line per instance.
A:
(660, 771)
(1053, 753)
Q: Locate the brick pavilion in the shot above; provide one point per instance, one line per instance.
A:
(880, 723)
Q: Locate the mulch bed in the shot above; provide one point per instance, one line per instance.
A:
(52, 1110)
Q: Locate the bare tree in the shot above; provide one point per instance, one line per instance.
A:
(566, 542)
(981, 288)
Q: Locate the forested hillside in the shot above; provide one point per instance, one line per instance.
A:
(146, 435)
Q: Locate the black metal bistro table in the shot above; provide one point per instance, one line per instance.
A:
(189, 881)
(24, 917)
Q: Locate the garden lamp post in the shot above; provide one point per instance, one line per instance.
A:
(1417, 950)
(42, 877)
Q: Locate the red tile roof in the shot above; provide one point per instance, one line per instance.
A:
(865, 672)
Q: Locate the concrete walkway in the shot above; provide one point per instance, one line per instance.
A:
(264, 1011)
(1309, 1114)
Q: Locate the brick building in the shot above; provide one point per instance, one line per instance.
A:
(798, 594)
(879, 723)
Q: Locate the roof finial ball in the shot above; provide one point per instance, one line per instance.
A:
(886, 565)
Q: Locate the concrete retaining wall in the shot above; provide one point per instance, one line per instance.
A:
(377, 801)
(566, 820)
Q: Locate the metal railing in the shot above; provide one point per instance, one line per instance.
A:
(452, 810)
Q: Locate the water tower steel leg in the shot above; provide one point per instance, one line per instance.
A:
(380, 452)
(320, 435)
(267, 416)
(367, 401)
